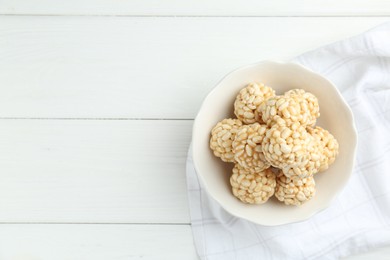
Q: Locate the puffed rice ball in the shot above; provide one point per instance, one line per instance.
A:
(312, 163)
(310, 103)
(285, 109)
(286, 146)
(247, 147)
(329, 145)
(222, 137)
(251, 187)
(249, 99)
(294, 191)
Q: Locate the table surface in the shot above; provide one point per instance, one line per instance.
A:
(97, 103)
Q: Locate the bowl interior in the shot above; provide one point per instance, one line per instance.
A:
(336, 117)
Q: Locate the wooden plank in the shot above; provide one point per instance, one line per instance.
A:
(199, 8)
(138, 67)
(93, 171)
(102, 242)
(98, 242)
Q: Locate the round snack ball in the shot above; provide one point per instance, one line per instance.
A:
(251, 187)
(222, 136)
(286, 109)
(329, 145)
(249, 99)
(286, 146)
(312, 163)
(247, 147)
(294, 191)
(280, 107)
(310, 103)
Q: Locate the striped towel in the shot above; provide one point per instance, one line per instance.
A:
(359, 219)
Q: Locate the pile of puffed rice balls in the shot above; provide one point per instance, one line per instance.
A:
(274, 144)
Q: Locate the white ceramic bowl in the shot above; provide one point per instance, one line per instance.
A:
(336, 117)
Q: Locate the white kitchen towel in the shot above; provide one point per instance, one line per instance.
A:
(359, 219)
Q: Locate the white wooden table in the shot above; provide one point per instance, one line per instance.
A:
(97, 99)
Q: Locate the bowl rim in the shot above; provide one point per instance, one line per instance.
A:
(293, 219)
